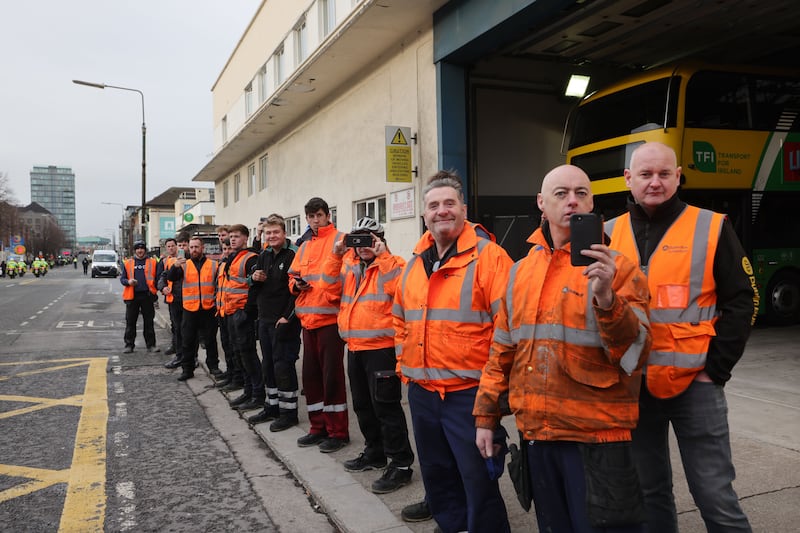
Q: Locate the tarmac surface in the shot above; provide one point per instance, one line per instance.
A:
(764, 417)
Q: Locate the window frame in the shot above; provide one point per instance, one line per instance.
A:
(237, 185)
(263, 174)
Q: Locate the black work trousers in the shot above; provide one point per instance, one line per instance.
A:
(196, 325)
(142, 302)
(376, 393)
(242, 332)
(176, 319)
(278, 357)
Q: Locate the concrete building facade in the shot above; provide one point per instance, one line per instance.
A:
(53, 188)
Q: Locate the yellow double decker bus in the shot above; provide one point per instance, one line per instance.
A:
(736, 131)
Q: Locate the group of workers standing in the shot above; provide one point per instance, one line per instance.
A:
(594, 362)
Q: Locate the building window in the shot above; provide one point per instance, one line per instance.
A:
(375, 208)
(262, 84)
(248, 100)
(293, 226)
(279, 68)
(251, 179)
(237, 185)
(225, 129)
(262, 177)
(333, 216)
(327, 16)
(300, 41)
(225, 193)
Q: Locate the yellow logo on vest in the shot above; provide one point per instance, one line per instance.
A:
(746, 266)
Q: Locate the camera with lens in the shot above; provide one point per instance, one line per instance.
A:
(358, 240)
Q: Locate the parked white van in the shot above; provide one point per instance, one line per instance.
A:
(105, 263)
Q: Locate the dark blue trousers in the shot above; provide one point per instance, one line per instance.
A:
(458, 490)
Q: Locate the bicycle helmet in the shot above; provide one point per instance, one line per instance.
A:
(367, 225)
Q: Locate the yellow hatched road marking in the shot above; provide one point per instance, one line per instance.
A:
(85, 502)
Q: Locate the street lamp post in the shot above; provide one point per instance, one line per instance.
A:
(144, 159)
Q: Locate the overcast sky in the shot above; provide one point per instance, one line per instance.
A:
(171, 50)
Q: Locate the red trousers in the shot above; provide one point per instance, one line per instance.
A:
(323, 381)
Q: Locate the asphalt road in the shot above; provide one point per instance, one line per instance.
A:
(93, 440)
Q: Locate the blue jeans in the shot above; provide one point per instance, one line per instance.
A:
(458, 490)
(699, 418)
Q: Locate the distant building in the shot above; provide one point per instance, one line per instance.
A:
(53, 188)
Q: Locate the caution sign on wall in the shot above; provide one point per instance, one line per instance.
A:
(398, 154)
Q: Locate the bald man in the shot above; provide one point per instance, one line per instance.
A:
(569, 344)
(703, 305)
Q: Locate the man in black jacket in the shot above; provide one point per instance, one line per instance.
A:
(702, 307)
(278, 327)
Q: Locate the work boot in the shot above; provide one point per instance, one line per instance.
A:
(186, 374)
(362, 463)
(285, 421)
(239, 400)
(392, 479)
(332, 444)
(153, 349)
(216, 372)
(416, 512)
(312, 439)
(128, 349)
(249, 405)
(175, 363)
(169, 351)
(266, 414)
(232, 386)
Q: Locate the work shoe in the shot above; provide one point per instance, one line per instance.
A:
(283, 422)
(362, 463)
(265, 415)
(216, 372)
(392, 479)
(185, 375)
(232, 386)
(175, 363)
(416, 512)
(312, 439)
(239, 400)
(128, 349)
(169, 351)
(249, 405)
(333, 444)
(153, 349)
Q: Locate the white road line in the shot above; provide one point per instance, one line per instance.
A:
(772, 402)
(24, 323)
(121, 410)
(127, 491)
(39, 312)
(116, 370)
(119, 387)
(32, 317)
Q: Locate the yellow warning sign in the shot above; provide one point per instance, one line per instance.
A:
(399, 138)
(398, 154)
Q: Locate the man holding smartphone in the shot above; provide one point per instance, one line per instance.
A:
(568, 347)
(702, 310)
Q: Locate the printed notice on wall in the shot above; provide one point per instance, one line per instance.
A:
(398, 154)
(401, 204)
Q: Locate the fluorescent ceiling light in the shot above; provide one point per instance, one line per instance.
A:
(577, 86)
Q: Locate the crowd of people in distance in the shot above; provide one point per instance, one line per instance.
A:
(594, 360)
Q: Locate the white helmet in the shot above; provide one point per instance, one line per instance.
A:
(367, 225)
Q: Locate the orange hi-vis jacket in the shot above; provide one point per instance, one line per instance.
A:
(220, 290)
(200, 288)
(443, 324)
(365, 316)
(680, 273)
(572, 370)
(235, 290)
(149, 274)
(168, 263)
(315, 307)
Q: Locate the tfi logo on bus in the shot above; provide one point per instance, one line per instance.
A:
(791, 161)
(704, 156)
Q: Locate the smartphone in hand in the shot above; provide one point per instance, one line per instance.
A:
(586, 229)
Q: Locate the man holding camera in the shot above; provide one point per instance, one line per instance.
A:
(172, 295)
(323, 349)
(139, 279)
(366, 279)
(568, 347)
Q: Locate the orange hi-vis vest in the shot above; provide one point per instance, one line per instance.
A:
(315, 307)
(220, 290)
(365, 316)
(443, 324)
(200, 288)
(572, 371)
(168, 263)
(149, 274)
(235, 290)
(683, 297)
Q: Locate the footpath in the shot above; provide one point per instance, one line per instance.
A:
(764, 404)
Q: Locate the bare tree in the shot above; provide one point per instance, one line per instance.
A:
(9, 221)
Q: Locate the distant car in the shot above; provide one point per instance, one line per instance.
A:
(105, 263)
